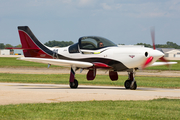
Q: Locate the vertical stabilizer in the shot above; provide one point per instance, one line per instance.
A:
(31, 45)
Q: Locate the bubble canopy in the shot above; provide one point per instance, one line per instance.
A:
(94, 43)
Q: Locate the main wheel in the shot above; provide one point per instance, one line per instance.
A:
(127, 84)
(73, 84)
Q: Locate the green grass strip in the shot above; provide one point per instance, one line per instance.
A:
(142, 81)
(165, 109)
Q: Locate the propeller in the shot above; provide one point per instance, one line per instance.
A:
(164, 60)
(148, 61)
(153, 37)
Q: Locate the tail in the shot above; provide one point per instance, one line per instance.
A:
(31, 45)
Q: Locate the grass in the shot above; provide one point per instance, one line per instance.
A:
(157, 109)
(142, 81)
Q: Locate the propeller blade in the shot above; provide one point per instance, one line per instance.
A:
(164, 60)
(147, 62)
(153, 37)
(154, 47)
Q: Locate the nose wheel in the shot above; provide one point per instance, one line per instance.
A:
(130, 83)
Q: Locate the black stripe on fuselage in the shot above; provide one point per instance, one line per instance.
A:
(118, 66)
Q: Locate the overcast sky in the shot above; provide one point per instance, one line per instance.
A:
(121, 21)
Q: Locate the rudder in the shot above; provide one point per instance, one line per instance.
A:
(31, 45)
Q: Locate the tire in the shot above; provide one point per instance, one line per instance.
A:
(73, 84)
(127, 84)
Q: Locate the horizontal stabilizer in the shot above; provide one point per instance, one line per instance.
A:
(58, 62)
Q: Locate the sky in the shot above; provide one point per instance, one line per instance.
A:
(121, 21)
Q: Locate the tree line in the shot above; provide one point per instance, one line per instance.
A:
(58, 43)
(167, 45)
(49, 44)
(3, 46)
(54, 43)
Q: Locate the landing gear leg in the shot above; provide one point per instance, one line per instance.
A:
(130, 83)
(73, 83)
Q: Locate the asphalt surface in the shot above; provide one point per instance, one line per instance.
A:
(15, 93)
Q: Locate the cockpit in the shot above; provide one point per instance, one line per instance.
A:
(94, 43)
(91, 43)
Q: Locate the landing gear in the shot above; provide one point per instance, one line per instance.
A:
(130, 83)
(127, 84)
(73, 84)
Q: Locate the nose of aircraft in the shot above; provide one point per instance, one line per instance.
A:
(153, 56)
(156, 54)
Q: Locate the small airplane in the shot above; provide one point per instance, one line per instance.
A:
(92, 53)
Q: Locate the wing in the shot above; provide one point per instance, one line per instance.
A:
(162, 63)
(58, 62)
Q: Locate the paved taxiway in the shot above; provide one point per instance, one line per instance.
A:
(14, 93)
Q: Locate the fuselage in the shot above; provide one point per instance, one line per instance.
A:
(119, 58)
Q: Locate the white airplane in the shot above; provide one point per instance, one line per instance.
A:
(91, 52)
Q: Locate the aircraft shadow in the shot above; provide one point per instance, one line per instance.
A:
(41, 87)
(87, 87)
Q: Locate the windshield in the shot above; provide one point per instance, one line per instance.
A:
(94, 43)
